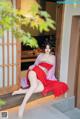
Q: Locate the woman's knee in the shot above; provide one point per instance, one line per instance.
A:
(33, 79)
(31, 74)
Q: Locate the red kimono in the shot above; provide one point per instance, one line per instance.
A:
(56, 87)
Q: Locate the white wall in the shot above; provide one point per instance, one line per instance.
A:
(69, 11)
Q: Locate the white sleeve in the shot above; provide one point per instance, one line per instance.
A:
(36, 62)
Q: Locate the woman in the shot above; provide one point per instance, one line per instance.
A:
(42, 79)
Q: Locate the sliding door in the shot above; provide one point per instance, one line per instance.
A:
(9, 62)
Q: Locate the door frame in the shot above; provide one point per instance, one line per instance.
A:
(74, 58)
(59, 32)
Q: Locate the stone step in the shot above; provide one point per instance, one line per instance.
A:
(73, 114)
(67, 107)
(40, 112)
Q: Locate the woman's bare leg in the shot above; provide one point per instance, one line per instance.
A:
(33, 82)
(20, 91)
(36, 86)
(23, 91)
(40, 87)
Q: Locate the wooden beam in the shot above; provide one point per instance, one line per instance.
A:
(59, 29)
(8, 57)
(3, 57)
(18, 4)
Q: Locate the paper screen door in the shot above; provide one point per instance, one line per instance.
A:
(9, 65)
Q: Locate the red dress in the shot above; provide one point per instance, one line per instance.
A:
(56, 87)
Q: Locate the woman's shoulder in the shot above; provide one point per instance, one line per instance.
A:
(43, 54)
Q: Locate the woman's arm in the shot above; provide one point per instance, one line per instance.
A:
(36, 62)
(51, 72)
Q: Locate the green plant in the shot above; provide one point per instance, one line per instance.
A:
(14, 20)
(2, 102)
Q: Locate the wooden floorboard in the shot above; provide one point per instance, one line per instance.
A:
(13, 101)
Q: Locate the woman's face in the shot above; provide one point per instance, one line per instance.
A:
(47, 49)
